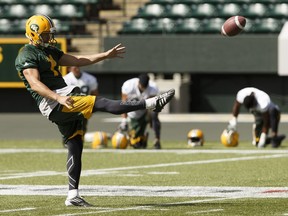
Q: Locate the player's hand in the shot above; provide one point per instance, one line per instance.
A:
(232, 124)
(262, 140)
(123, 125)
(116, 52)
(66, 101)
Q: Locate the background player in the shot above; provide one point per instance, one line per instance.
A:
(136, 89)
(266, 114)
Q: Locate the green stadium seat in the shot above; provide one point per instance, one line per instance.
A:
(161, 26)
(46, 9)
(279, 10)
(204, 10)
(254, 10)
(151, 11)
(5, 26)
(163, 2)
(229, 9)
(190, 2)
(16, 11)
(135, 26)
(18, 26)
(212, 25)
(62, 27)
(267, 25)
(178, 11)
(188, 26)
(69, 11)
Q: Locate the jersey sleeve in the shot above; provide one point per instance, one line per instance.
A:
(26, 59)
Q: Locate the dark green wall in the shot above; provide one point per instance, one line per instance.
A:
(194, 54)
(218, 68)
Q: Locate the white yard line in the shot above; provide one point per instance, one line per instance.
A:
(16, 210)
(109, 170)
(144, 151)
(207, 211)
(148, 191)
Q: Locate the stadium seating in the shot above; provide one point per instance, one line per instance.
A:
(161, 26)
(178, 11)
(135, 26)
(279, 10)
(207, 16)
(188, 26)
(70, 15)
(151, 11)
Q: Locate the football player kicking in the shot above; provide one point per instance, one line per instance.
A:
(38, 67)
(266, 114)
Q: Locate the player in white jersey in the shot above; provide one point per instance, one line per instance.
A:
(136, 89)
(266, 113)
(85, 81)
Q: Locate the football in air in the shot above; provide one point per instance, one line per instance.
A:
(233, 26)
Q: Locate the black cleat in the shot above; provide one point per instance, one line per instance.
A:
(163, 99)
(276, 141)
(157, 145)
(77, 201)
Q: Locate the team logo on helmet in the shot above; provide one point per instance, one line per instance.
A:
(34, 27)
(229, 138)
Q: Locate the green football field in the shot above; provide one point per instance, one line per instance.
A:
(211, 180)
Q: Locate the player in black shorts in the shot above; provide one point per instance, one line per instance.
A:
(38, 67)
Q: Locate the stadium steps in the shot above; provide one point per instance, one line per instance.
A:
(114, 18)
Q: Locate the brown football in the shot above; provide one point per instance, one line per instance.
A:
(233, 26)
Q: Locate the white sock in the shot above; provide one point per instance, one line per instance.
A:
(72, 193)
(150, 103)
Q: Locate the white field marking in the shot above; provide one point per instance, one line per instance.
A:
(16, 210)
(144, 151)
(163, 173)
(206, 211)
(148, 191)
(110, 210)
(202, 118)
(109, 170)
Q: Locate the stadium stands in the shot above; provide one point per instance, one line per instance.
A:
(207, 16)
(70, 15)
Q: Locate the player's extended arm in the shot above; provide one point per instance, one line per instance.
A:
(235, 112)
(83, 60)
(33, 78)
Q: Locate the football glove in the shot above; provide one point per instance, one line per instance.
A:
(232, 124)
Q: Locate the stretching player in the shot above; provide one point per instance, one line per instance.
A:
(136, 89)
(266, 114)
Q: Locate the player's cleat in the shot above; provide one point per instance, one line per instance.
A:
(157, 145)
(163, 99)
(77, 201)
(276, 141)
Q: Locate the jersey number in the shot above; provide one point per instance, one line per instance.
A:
(53, 65)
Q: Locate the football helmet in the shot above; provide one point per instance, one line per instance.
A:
(98, 139)
(195, 138)
(229, 138)
(119, 140)
(38, 24)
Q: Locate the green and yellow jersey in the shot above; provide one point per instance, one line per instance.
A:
(45, 59)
